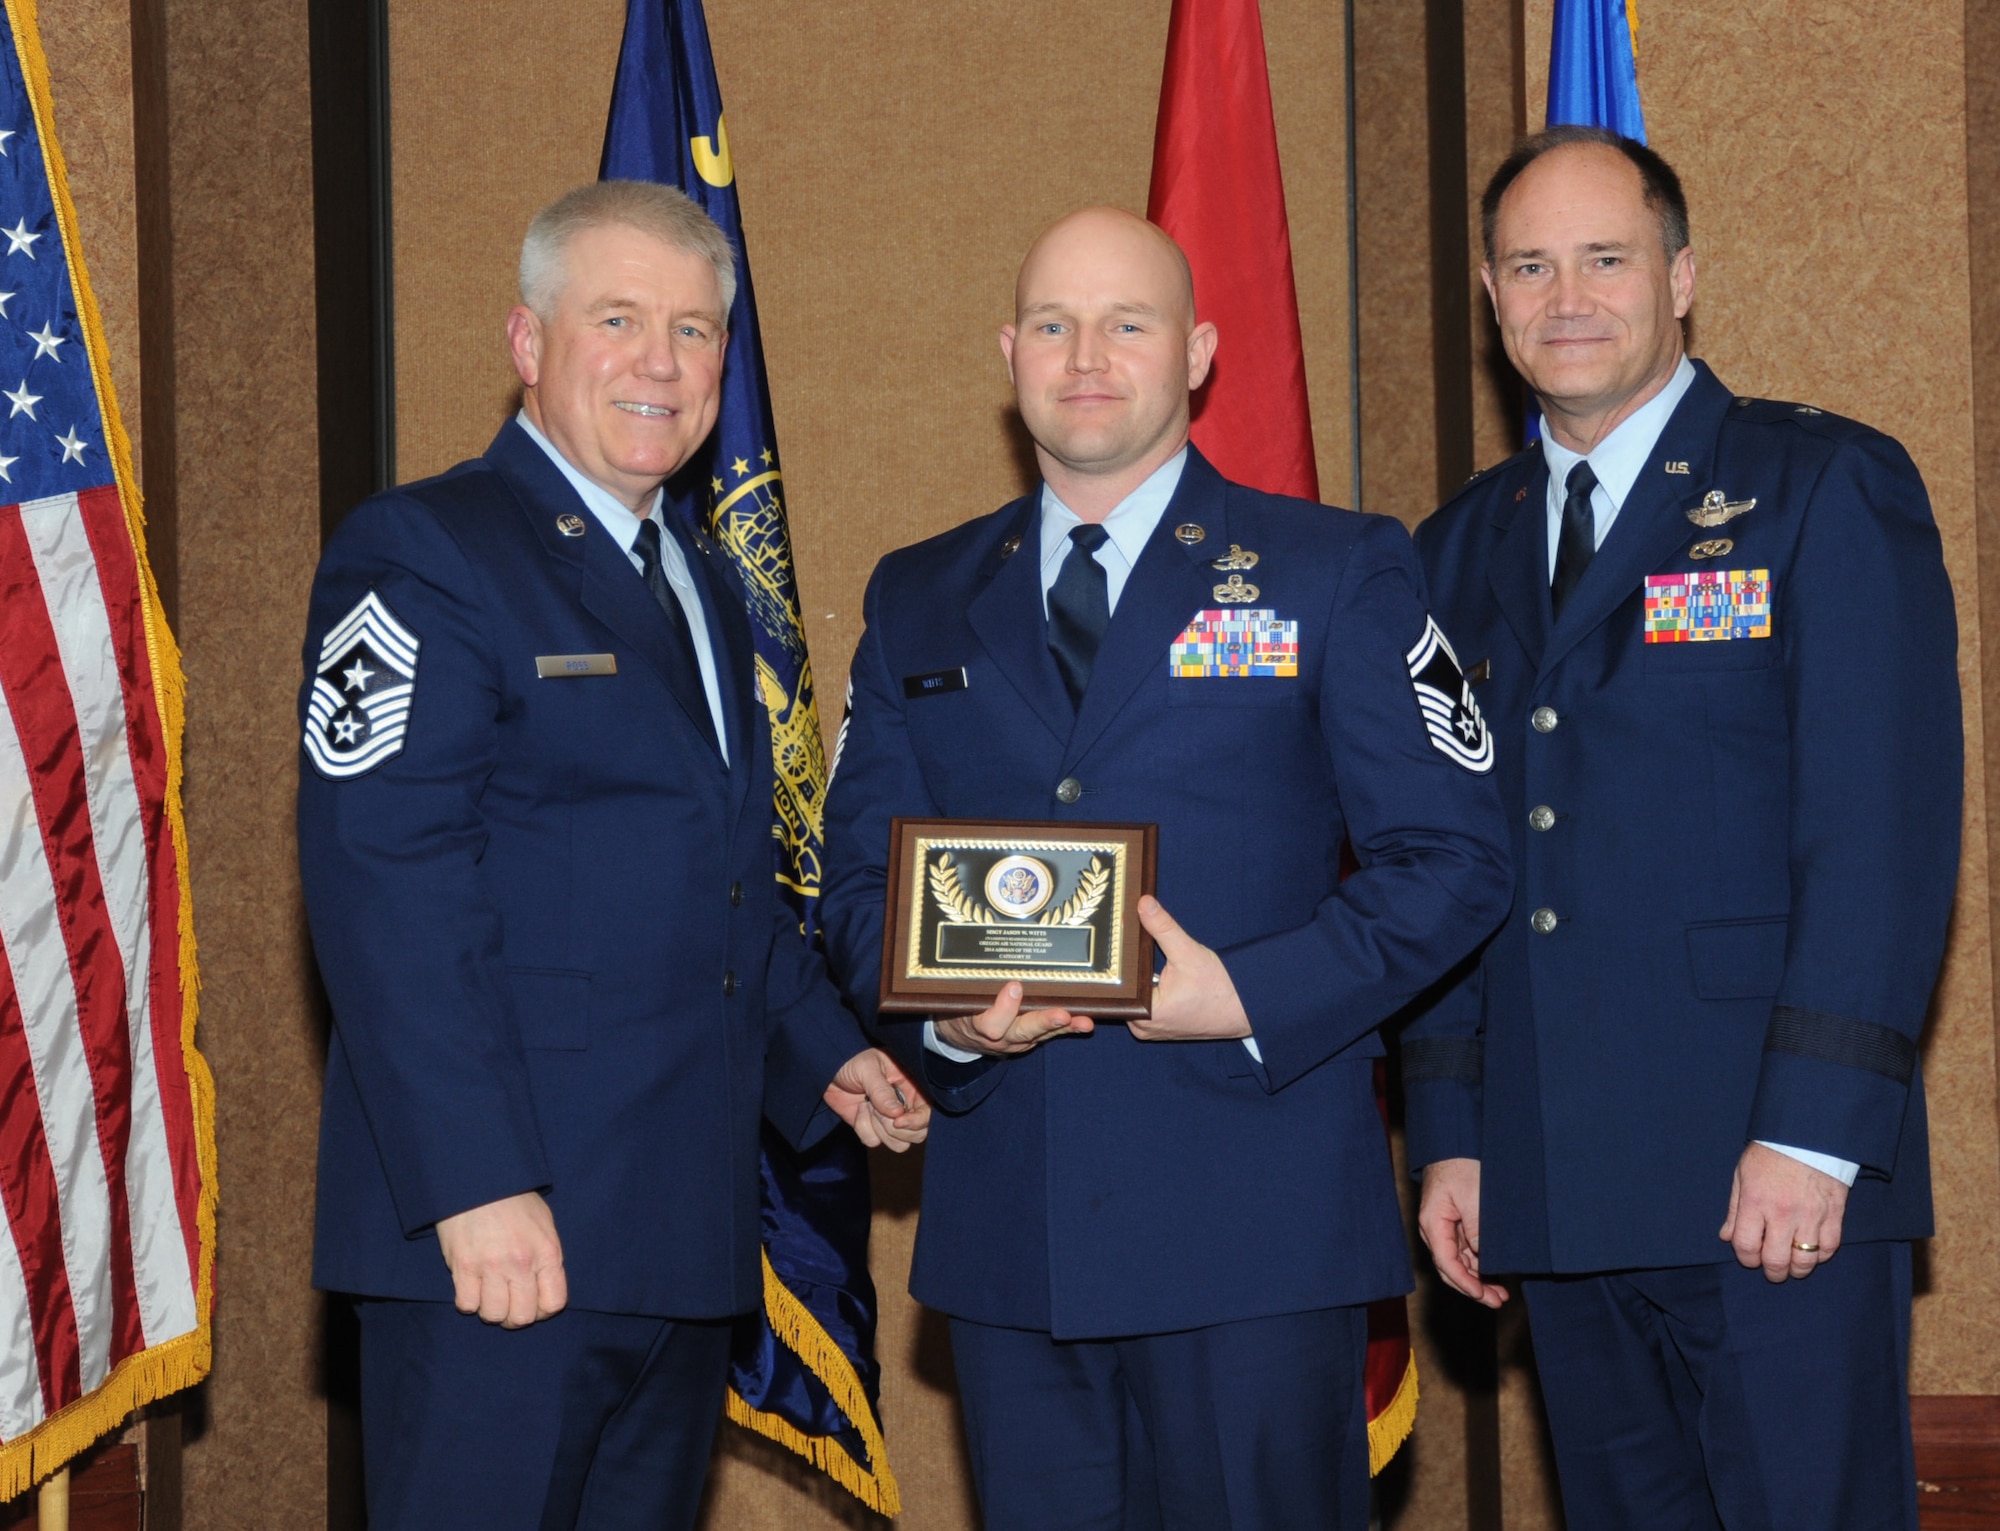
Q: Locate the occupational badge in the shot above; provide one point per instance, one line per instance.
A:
(1240, 643)
(1712, 547)
(1235, 558)
(1445, 701)
(1233, 591)
(361, 693)
(1716, 508)
(1708, 605)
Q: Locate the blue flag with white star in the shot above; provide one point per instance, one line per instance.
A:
(803, 1372)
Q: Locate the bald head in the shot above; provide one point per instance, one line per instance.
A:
(1104, 351)
(1109, 244)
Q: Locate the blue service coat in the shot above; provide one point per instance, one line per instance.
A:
(1101, 1186)
(547, 922)
(1752, 853)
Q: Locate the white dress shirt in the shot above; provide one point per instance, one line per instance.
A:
(618, 519)
(1129, 526)
(1617, 461)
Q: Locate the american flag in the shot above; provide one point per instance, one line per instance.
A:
(106, 1123)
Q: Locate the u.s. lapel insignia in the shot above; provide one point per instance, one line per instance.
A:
(1010, 547)
(1714, 547)
(569, 525)
(1716, 508)
(1674, 467)
(1189, 534)
(1234, 592)
(1235, 558)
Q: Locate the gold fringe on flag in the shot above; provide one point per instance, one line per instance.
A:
(1388, 1430)
(795, 1327)
(184, 1360)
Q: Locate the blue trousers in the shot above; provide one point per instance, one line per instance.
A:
(1706, 1398)
(595, 1421)
(1251, 1426)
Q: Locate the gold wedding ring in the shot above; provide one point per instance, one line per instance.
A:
(1805, 1249)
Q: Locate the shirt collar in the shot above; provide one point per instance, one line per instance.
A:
(1619, 457)
(1130, 523)
(613, 513)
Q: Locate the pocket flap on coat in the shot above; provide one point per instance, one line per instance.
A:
(1738, 959)
(552, 1006)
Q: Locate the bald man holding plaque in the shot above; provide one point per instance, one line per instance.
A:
(1156, 1238)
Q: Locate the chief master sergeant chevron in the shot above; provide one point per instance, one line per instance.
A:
(535, 830)
(1720, 657)
(1154, 1241)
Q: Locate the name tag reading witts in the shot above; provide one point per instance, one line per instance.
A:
(937, 683)
(561, 666)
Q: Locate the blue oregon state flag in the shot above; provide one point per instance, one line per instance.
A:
(804, 1374)
(1593, 68)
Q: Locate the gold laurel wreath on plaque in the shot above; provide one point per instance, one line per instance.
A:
(961, 908)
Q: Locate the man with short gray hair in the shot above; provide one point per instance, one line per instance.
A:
(534, 830)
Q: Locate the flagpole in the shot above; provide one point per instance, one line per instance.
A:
(52, 1504)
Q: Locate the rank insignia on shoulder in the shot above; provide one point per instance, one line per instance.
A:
(1233, 591)
(1708, 605)
(361, 693)
(1716, 508)
(1444, 700)
(1235, 558)
(1242, 643)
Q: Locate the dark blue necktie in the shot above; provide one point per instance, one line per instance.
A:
(1578, 543)
(1079, 609)
(686, 676)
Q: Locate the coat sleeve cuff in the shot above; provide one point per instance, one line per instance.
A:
(1834, 1085)
(1443, 1098)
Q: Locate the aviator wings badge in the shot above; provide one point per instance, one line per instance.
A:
(1716, 508)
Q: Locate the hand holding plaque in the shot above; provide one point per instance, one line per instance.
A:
(1054, 907)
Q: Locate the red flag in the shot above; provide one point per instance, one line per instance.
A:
(1217, 189)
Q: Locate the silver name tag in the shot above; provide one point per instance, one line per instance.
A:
(558, 666)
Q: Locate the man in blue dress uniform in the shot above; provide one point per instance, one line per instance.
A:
(1155, 1241)
(535, 832)
(1715, 640)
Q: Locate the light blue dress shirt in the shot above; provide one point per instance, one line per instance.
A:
(1131, 523)
(1617, 461)
(617, 519)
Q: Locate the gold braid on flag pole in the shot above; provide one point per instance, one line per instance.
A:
(749, 523)
(184, 1360)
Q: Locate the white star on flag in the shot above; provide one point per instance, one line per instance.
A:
(18, 238)
(5, 299)
(72, 446)
(5, 464)
(46, 339)
(5, 134)
(23, 401)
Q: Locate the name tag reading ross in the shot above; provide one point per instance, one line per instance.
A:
(561, 666)
(936, 683)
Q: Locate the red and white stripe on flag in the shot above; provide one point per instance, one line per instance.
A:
(107, 1149)
(101, 1261)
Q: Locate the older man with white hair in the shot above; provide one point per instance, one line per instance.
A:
(534, 827)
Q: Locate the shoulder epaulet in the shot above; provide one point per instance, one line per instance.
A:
(1486, 473)
(1807, 417)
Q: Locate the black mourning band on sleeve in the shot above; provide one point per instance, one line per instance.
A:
(1839, 1039)
(1458, 1059)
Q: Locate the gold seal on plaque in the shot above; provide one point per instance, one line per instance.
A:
(1018, 886)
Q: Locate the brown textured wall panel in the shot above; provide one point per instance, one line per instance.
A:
(89, 46)
(241, 173)
(1495, 95)
(1392, 179)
